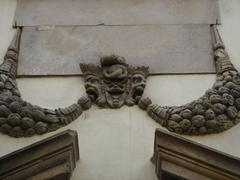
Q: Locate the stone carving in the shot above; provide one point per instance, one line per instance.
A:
(217, 110)
(115, 83)
(19, 118)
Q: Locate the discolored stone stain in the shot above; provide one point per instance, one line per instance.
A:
(61, 46)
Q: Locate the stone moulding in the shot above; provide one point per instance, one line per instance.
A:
(216, 111)
(114, 84)
(52, 158)
(194, 161)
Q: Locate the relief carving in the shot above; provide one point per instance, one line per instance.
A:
(115, 83)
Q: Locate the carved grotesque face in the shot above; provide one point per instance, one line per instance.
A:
(138, 83)
(114, 83)
(115, 78)
(92, 85)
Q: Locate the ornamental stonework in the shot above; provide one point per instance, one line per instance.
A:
(115, 83)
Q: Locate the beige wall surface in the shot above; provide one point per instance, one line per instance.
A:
(117, 144)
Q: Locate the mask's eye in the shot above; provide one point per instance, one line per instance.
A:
(137, 79)
(94, 81)
(108, 82)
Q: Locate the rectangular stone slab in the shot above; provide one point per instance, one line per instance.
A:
(164, 48)
(115, 12)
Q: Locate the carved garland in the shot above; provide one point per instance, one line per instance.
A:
(19, 118)
(216, 111)
(114, 84)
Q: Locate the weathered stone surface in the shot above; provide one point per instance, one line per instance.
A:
(62, 48)
(198, 120)
(215, 99)
(235, 92)
(211, 124)
(16, 132)
(203, 130)
(223, 90)
(218, 84)
(198, 109)
(210, 114)
(176, 118)
(232, 112)
(219, 108)
(29, 132)
(5, 128)
(228, 99)
(15, 107)
(222, 118)
(143, 103)
(185, 124)
(85, 102)
(4, 111)
(230, 85)
(108, 12)
(14, 119)
(186, 114)
(41, 127)
(237, 103)
(27, 123)
(2, 121)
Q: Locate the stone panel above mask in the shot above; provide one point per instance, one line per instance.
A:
(109, 12)
(166, 49)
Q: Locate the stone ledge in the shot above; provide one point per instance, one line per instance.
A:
(51, 158)
(178, 156)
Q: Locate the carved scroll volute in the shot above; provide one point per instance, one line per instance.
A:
(114, 83)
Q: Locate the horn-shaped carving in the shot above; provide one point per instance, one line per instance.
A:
(19, 118)
(217, 110)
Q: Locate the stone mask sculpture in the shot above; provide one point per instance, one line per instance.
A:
(114, 83)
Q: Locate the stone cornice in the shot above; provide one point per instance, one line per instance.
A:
(187, 155)
(52, 157)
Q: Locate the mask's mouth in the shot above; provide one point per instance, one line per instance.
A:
(115, 98)
(115, 91)
(138, 91)
(93, 94)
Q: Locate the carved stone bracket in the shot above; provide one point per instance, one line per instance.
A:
(216, 111)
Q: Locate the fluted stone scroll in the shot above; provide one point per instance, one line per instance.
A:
(216, 111)
(19, 118)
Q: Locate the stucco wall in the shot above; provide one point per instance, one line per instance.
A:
(117, 144)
